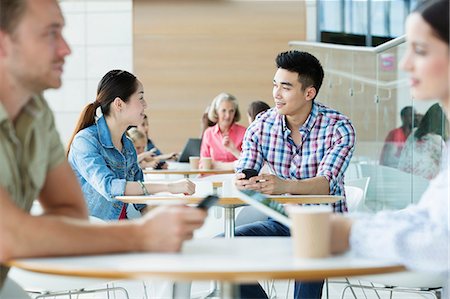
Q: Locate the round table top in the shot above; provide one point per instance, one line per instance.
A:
(238, 259)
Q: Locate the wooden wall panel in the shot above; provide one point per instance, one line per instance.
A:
(186, 52)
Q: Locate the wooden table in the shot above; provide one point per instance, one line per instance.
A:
(187, 172)
(226, 260)
(230, 203)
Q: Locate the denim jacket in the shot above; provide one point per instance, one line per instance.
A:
(102, 170)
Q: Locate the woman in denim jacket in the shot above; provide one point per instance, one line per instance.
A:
(103, 158)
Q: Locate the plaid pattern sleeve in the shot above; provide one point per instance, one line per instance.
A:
(327, 145)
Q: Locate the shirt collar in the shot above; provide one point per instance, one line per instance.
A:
(35, 107)
(308, 124)
(103, 133)
(216, 128)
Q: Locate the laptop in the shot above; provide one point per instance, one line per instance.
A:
(192, 148)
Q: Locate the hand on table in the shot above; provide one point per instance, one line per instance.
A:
(166, 228)
(182, 186)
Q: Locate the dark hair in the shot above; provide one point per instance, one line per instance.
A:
(436, 14)
(308, 67)
(434, 121)
(406, 111)
(11, 13)
(115, 84)
(256, 107)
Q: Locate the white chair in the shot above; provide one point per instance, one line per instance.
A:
(362, 183)
(354, 197)
(404, 282)
(46, 285)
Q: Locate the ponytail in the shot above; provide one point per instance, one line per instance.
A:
(86, 119)
(115, 84)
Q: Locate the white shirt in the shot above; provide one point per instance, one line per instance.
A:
(417, 237)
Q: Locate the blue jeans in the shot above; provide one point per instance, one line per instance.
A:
(272, 228)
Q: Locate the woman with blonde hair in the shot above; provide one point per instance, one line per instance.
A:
(145, 158)
(223, 141)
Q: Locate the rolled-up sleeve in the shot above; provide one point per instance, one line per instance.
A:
(251, 155)
(339, 154)
(86, 158)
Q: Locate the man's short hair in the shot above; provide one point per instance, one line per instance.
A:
(307, 66)
(11, 13)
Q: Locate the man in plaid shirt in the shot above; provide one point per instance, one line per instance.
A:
(306, 145)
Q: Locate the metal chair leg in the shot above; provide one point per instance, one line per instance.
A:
(83, 292)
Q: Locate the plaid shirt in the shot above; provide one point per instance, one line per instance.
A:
(328, 139)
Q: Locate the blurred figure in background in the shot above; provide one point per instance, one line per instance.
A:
(395, 140)
(422, 153)
(255, 108)
(150, 146)
(223, 141)
(145, 158)
(206, 122)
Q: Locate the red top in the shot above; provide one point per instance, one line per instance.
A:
(212, 143)
(393, 146)
(123, 213)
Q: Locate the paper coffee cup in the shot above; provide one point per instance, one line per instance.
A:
(310, 230)
(194, 162)
(206, 163)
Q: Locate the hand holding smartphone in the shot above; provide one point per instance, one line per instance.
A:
(249, 173)
(160, 165)
(208, 202)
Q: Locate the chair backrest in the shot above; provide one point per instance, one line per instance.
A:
(353, 197)
(408, 279)
(390, 188)
(362, 183)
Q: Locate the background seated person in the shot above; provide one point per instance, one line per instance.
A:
(223, 141)
(307, 146)
(145, 158)
(396, 138)
(255, 108)
(423, 149)
(205, 122)
(103, 158)
(150, 146)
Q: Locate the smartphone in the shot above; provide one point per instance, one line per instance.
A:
(249, 173)
(160, 165)
(208, 202)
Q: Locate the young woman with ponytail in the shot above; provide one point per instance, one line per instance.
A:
(103, 158)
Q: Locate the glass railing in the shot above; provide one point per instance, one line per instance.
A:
(367, 85)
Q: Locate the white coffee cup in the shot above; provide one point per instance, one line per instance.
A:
(310, 230)
(194, 162)
(206, 163)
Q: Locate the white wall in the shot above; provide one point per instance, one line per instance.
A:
(99, 33)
